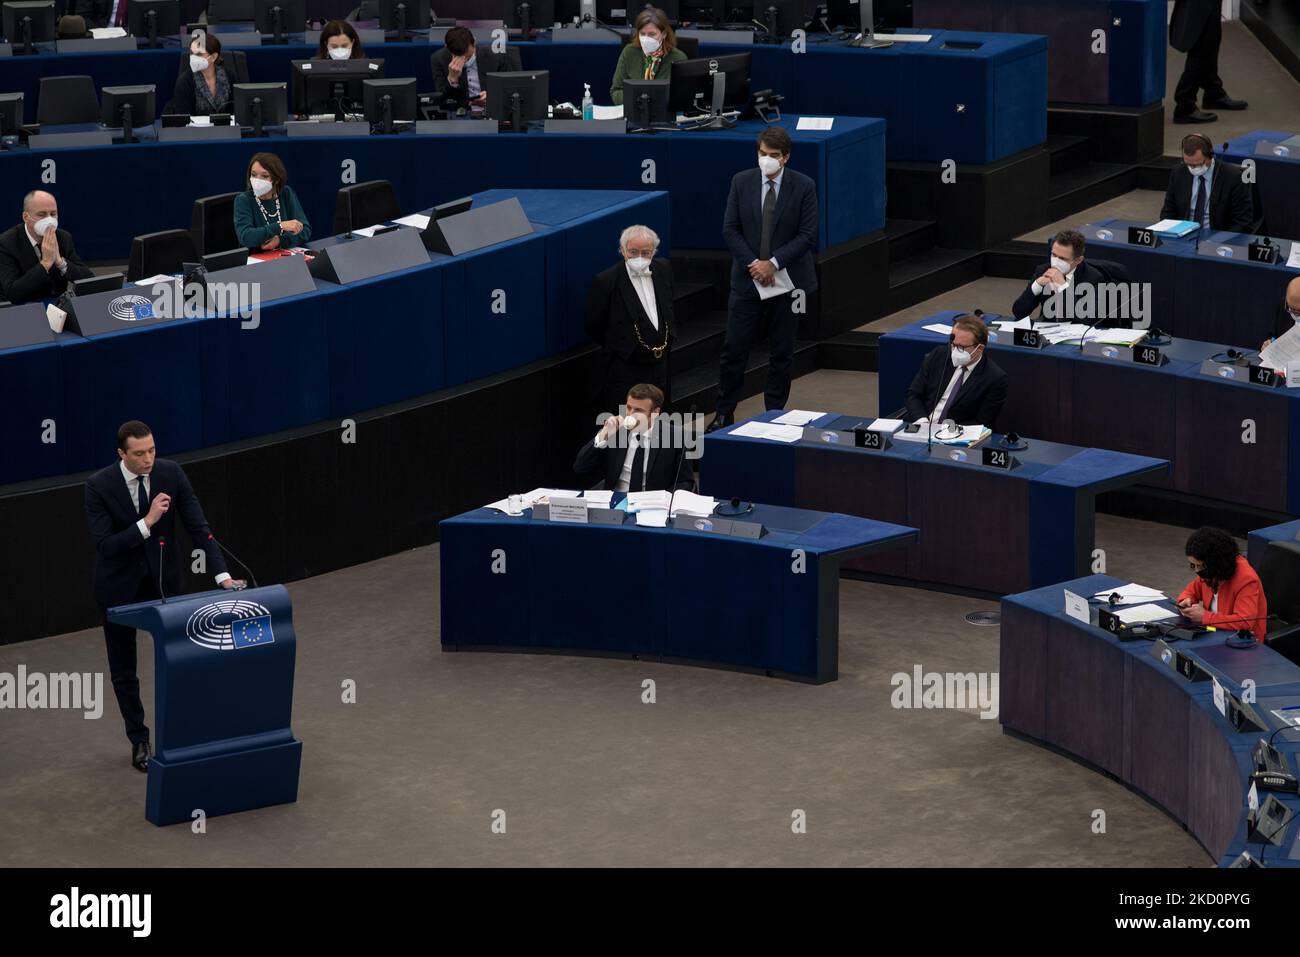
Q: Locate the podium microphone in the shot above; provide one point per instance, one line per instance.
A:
(251, 577)
(162, 552)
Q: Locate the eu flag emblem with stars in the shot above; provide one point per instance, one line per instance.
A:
(249, 632)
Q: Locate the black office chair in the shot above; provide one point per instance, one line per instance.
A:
(212, 224)
(1260, 225)
(365, 204)
(67, 99)
(690, 46)
(163, 252)
(1279, 573)
(230, 11)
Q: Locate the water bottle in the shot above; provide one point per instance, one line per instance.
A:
(587, 109)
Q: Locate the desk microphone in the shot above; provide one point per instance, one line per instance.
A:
(251, 577)
(1233, 356)
(1158, 337)
(162, 552)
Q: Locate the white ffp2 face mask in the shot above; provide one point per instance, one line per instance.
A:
(260, 187)
(769, 165)
(961, 357)
(649, 45)
(43, 226)
(640, 266)
(340, 53)
(1062, 264)
(1198, 170)
(198, 63)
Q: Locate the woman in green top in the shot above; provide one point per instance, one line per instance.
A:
(268, 214)
(649, 55)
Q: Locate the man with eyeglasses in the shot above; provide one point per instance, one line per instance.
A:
(958, 381)
(630, 313)
(1287, 316)
(1226, 593)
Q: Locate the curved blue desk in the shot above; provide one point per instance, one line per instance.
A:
(1172, 411)
(109, 194)
(979, 101)
(1113, 705)
(331, 353)
(983, 530)
(1277, 176)
(771, 605)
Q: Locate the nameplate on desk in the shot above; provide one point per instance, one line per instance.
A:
(605, 516)
(1140, 236)
(1223, 370)
(58, 141)
(734, 37)
(571, 510)
(753, 530)
(1104, 350)
(864, 438)
(309, 128)
(458, 126)
(700, 523)
(1262, 252)
(91, 45)
(192, 134)
(615, 127)
(824, 436)
(1028, 338)
(1109, 621)
(1148, 355)
(995, 458)
(570, 35)
(1263, 375)
(1177, 661)
(1076, 606)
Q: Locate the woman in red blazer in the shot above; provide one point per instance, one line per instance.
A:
(1226, 592)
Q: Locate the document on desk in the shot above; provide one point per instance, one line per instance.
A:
(107, 33)
(1117, 337)
(814, 123)
(1132, 594)
(1174, 227)
(688, 503)
(768, 430)
(781, 284)
(417, 220)
(161, 277)
(1293, 260)
(367, 231)
(889, 426)
(796, 417)
(598, 498)
(941, 328)
(1285, 348)
(657, 499)
(652, 517)
(1141, 613)
(606, 112)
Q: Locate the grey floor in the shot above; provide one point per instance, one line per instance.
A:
(586, 774)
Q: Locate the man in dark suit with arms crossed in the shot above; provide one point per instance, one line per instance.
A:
(128, 508)
(770, 226)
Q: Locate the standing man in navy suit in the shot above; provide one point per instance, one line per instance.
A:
(771, 229)
(128, 507)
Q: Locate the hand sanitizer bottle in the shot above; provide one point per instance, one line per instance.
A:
(587, 109)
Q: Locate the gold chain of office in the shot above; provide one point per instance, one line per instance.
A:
(656, 351)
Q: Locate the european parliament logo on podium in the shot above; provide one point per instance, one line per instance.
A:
(227, 625)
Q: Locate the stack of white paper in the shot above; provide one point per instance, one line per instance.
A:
(797, 417)
(970, 435)
(653, 517)
(1133, 594)
(659, 498)
(415, 219)
(538, 496)
(688, 503)
(1140, 613)
(941, 328)
(1283, 349)
(598, 498)
(769, 430)
(599, 112)
(1118, 337)
(886, 425)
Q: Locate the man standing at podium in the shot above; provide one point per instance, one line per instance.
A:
(129, 510)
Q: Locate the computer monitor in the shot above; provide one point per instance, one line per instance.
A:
(128, 107)
(692, 83)
(780, 17)
(390, 101)
(321, 86)
(518, 96)
(403, 16)
(151, 20)
(11, 113)
(27, 22)
(278, 18)
(703, 12)
(645, 103)
(107, 283)
(258, 105)
(528, 15)
(607, 10)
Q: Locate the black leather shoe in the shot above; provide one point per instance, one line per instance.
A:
(719, 422)
(140, 755)
(1196, 116)
(1226, 103)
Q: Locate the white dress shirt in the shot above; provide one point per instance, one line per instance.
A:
(1208, 176)
(133, 487)
(625, 474)
(469, 73)
(1039, 288)
(952, 385)
(645, 291)
(762, 195)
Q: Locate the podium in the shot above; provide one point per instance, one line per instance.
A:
(223, 700)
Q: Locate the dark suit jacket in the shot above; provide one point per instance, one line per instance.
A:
(614, 311)
(184, 100)
(669, 468)
(981, 397)
(794, 233)
(1091, 272)
(1230, 203)
(21, 277)
(1188, 20)
(94, 12)
(123, 560)
(487, 62)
